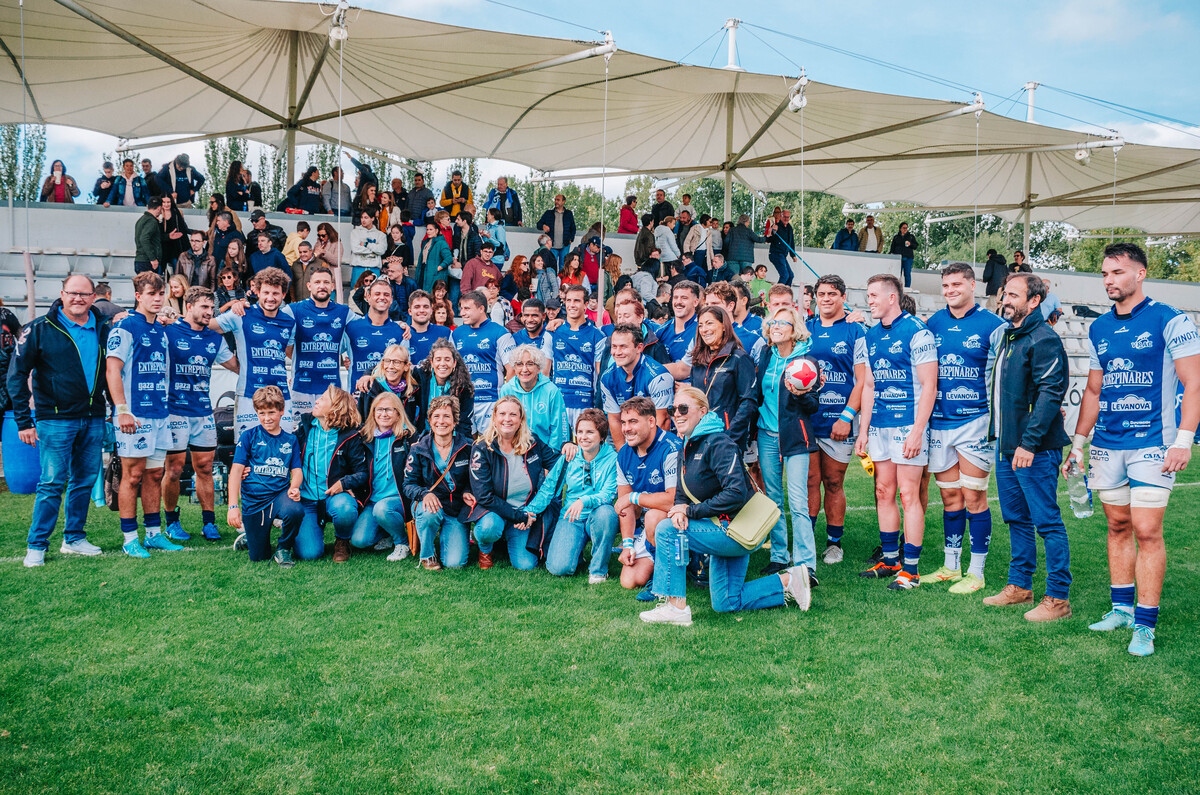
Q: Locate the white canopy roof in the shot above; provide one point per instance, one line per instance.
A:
(265, 69)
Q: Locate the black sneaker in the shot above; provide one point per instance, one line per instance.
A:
(876, 555)
(773, 568)
(881, 571)
(812, 579)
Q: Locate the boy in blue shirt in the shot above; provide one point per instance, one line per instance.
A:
(264, 481)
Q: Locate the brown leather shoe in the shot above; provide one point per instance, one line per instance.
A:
(431, 564)
(485, 560)
(1050, 609)
(1010, 595)
(341, 550)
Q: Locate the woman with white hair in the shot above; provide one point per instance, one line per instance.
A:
(543, 401)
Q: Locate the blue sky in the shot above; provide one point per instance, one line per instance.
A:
(1132, 53)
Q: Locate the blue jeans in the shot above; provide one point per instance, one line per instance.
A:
(780, 261)
(906, 264)
(69, 453)
(388, 514)
(257, 526)
(488, 531)
(1028, 502)
(567, 544)
(341, 509)
(804, 546)
(727, 572)
(453, 535)
(560, 254)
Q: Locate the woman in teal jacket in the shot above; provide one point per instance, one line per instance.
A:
(591, 489)
(433, 259)
(543, 401)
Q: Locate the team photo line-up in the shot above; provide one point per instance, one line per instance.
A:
(689, 444)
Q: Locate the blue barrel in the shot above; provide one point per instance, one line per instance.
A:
(21, 464)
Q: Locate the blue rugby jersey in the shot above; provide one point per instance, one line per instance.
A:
(193, 354)
(575, 353)
(365, 343)
(1136, 354)
(650, 379)
(261, 347)
(963, 345)
(657, 471)
(678, 344)
(837, 348)
(141, 345)
(421, 342)
(893, 353)
(316, 358)
(480, 349)
(269, 461)
(510, 342)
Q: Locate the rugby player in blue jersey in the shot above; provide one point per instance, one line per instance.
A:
(423, 332)
(367, 337)
(898, 397)
(320, 327)
(634, 375)
(533, 320)
(576, 349)
(1140, 352)
(960, 454)
(679, 334)
(478, 341)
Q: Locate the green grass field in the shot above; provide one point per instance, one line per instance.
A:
(197, 672)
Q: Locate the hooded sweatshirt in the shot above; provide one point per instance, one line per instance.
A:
(545, 410)
(603, 477)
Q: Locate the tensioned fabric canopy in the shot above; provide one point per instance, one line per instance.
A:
(268, 70)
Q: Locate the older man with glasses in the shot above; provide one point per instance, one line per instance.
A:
(64, 352)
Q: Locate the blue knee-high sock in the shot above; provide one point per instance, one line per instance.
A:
(1145, 616)
(1122, 597)
(891, 546)
(172, 516)
(129, 528)
(812, 517)
(955, 525)
(980, 527)
(912, 556)
(153, 522)
(208, 517)
(833, 533)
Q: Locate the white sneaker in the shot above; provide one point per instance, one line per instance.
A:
(81, 547)
(596, 579)
(35, 558)
(833, 554)
(399, 553)
(384, 544)
(798, 587)
(667, 613)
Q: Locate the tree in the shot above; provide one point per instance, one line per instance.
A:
(22, 157)
(271, 176)
(218, 154)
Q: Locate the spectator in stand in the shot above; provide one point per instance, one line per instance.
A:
(306, 194)
(235, 260)
(995, 271)
(237, 191)
(329, 251)
(1051, 305)
(559, 224)
(267, 256)
(147, 236)
(365, 176)
(222, 233)
(505, 202)
(172, 309)
(740, 240)
(1019, 264)
(695, 242)
(61, 354)
(104, 305)
(493, 230)
(174, 232)
(783, 247)
(291, 246)
(216, 206)
(548, 282)
(644, 242)
(263, 227)
(367, 243)
(716, 239)
(572, 272)
(398, 249)
(152, 184)
(517, 283)
(661, 208)
(418, 199)
(255, 189)
(683, 225)
(368, 199)
(59, 187)
(196, 264)
(434, 259)
(629, 218)
(686, 205)
(870, 237)
(228, 292)
(388, 214)
(726, 227)
(664, 239)
(456, 195)
(399, 195)
(590, 256)
(305, 262)
(180, 180)
(905, 246)
(759, 284)
(103, 184)
(128, 188)
(846, 239)
(335, 194)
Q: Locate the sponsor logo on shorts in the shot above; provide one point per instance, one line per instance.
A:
(1098, 454)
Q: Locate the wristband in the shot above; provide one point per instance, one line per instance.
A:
(1184, 439)
(234, 506)
(634, 496)
(123, 408)
(848, 414)
(626, 543)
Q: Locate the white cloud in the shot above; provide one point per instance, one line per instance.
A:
(1092, 21)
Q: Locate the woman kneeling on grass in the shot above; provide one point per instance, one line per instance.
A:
(385, 434)
(264, 482)
(335, 474)
(713, 487)
(514, 476)
(591, 489)
(437, 482)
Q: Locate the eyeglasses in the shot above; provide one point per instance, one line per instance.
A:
(525, 364)
(779, 323)
(395, 361)
(77, 295)
(385, 410)
(680, 410)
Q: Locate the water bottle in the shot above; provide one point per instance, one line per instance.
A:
(1077, 488)
(219, 482)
